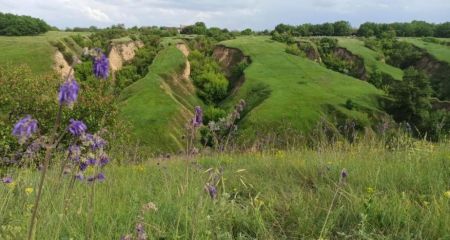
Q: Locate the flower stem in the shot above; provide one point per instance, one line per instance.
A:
(48, 155)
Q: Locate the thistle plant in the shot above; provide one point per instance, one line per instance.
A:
(223, 130)
(94, 158)
(191, 130)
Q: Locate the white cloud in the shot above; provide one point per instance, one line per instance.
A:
(233, 14)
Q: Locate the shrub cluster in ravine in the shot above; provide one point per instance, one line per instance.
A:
(208, 78)
(14, 25)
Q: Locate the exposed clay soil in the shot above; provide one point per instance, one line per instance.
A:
(121, 53)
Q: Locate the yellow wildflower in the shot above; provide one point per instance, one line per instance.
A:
(28, 190)
(447, 194)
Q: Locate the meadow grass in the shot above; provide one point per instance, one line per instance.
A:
(34, 51)
(388, 194)
(440, 52)
(280, 87)
(371, 62)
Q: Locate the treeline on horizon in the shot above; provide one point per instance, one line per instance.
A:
(368, 29)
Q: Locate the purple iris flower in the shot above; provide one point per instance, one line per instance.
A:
(76, 127)
(7, 180)
(101, 66)
(25, 128)
(68, 92)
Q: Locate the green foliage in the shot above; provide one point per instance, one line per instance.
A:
(15, 25)
(412, 29)
(349, 104)
(294, 50)
(247, 32)
(126, 76)
(213, 114)
(411, 99)
(207, 76)
(339, 28)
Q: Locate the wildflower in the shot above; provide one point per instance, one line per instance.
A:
(28, 190)
(97, 142)
(370, 190)
(25, 128)
(101, 66)
(74, 153)
(344, 175)
(101, 177)
(68, 92)
(77, 128)
(91, 161)
(104, 160)
(83, 166)
(198, 118)
(7, 180)
(79, 176)
(447, 194)
(211, 190)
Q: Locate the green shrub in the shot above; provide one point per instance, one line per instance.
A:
(294, 50)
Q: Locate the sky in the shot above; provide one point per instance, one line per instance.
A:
(232, 14)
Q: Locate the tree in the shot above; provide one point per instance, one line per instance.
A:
(342, 28)
(247, 32)
(411, 98)
(15, 25)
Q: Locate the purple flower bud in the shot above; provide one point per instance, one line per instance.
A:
(25, 128)
(101, 66)
(83, 166)
(79, 176)
(212, 191)
(198, 117)
(7, 180)
(77, 128)
(104, 160)
(68, 92)
(91, 161)
(101, 177)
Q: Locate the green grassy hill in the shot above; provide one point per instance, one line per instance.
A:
(284, 90)
(370, 57)
(160, 104)
(440, 52)
(35, 51)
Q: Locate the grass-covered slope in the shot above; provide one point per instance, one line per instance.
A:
(159, 105)
(371, 62)
(440, 52)
(35, 51)
(284, 90)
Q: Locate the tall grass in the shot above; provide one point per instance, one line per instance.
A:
(389, 194)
